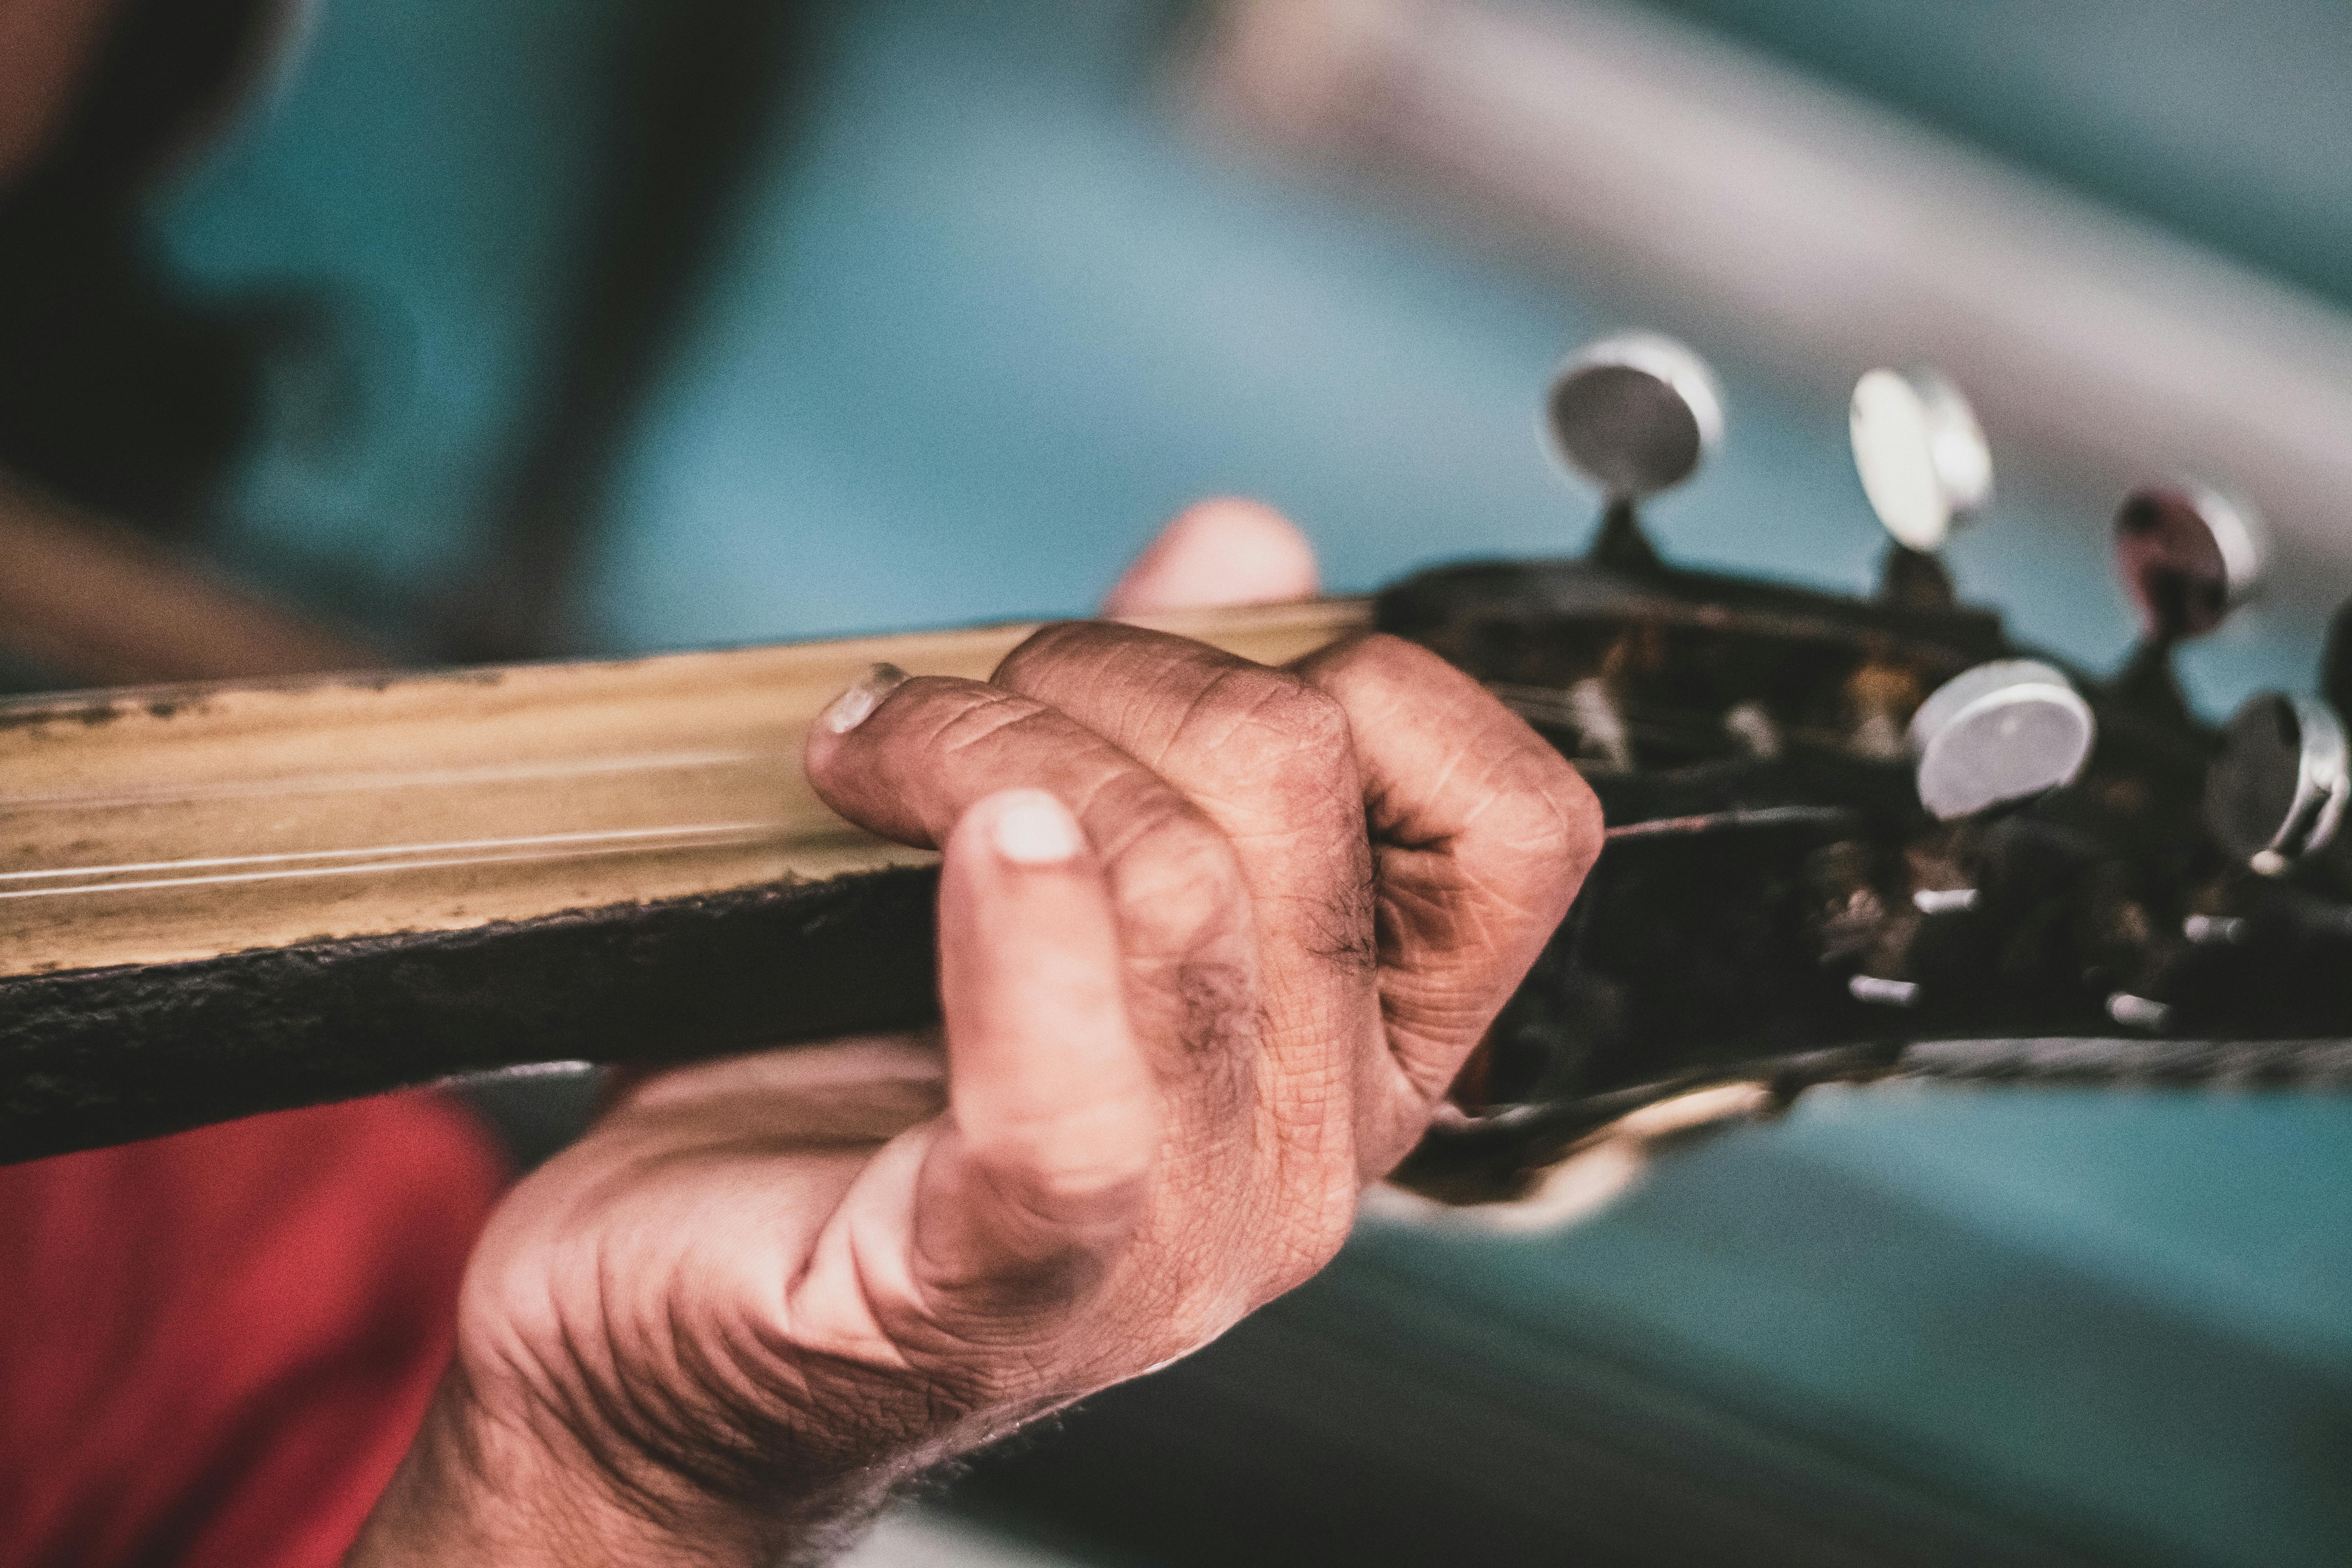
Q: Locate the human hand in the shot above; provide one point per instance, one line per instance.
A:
(45, 47)
(1214, 941)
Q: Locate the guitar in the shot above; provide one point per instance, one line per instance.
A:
(1849, 838)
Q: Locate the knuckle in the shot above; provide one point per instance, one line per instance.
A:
(1219, 1002)
(1293, 736)
(1041, 650)
(1074, 1168)
(981, 715)
(1563, 814)
(1311, 718)
(1185, 913)
(1343, 927)
(1549, 804)
(1378, 661)
(1536, 837)
(1160, 849)
(936, 719)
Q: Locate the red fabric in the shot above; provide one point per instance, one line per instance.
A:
(215, 1348)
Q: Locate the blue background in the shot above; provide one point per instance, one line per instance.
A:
(987, 314)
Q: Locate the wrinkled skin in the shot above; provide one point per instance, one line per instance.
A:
(761, 1291)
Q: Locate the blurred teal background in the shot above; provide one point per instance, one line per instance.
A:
(984, 314)
(2225, 124)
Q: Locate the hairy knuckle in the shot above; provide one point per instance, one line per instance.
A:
(1218, 1007)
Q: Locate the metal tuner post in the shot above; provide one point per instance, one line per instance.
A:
(1999, 733)
(2275, 795)
(2187, 555)
(1926, 469)
(1635, 413)
(2335, 661)
(2004, 732)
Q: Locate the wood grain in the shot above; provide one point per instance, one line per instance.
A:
(170, 824)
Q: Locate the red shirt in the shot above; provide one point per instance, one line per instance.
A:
(216, 1347)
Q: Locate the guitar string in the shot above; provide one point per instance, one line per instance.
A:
(330, 783)
(552, 847)
(311, 872)
(391, 850)
(396, 858)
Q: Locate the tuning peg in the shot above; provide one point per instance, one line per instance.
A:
(2187, 555)
(2276, 792)
(1999, 732)
(2335, 662)
(1635, 413)
(1926, 468)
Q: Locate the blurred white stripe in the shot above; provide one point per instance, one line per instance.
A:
(1821, 234)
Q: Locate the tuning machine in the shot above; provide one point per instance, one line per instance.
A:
(2335, 661)
(1926, 469)
(2276, 793)
(1999, 733)
(1636, 413)
(2187, 554)
(1993, 735)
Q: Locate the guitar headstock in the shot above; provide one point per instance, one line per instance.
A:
(1845, 827)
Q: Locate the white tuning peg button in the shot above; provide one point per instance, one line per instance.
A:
(2277, 791)
(1999, 732)
(1635, 413)
(1921, 454)
(2187, 555)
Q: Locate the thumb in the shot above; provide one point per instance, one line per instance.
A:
(1040, 1173)
(1215, 552)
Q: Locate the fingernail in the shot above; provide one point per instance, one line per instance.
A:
(853, 707)
(1035, 829)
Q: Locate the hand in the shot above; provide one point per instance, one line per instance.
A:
(46, 45)
(1214, 941)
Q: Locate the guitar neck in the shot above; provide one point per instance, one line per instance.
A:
(167, 824)
(228, 898)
